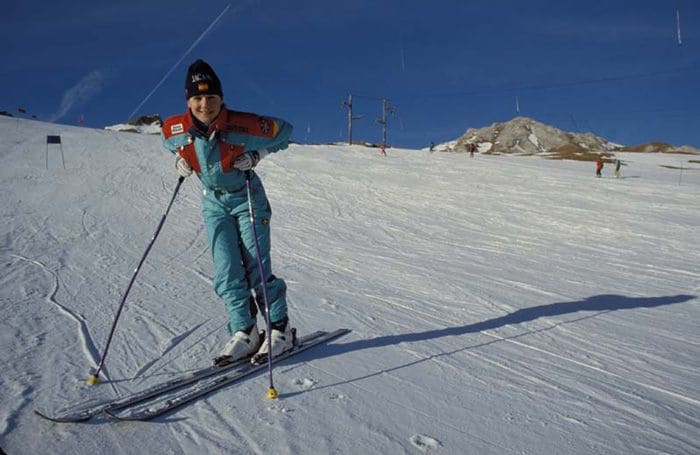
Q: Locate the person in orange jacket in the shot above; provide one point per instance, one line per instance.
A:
(599, 167)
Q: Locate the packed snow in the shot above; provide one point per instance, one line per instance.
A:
(498, 304)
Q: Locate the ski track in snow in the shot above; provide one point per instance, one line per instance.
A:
(678, 396)
(552, 324)
(89, 349)
(407, 408)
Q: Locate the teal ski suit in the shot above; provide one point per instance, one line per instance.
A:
(225, 206)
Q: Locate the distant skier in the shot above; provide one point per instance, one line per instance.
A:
(221, 146)
(472, 148)
(432, 147)
(618, 165)
(599, 167)
(383, 149)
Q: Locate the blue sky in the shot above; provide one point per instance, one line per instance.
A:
(611, 67)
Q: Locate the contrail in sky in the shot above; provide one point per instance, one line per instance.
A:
(678, 25)
(180, 60)
(83, 90)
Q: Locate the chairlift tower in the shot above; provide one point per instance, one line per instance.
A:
(348, 104)
(386, 109)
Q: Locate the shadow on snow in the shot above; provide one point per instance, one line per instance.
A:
(597, 305)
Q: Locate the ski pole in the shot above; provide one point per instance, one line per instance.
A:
(94, 377)
(271, 392)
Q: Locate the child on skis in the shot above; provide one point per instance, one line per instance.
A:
(223, 147)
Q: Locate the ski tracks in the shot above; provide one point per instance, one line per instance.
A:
(88, 345)
(638, 405)
(405, 405)
(236, 439)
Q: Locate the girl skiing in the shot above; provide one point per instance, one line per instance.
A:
(222, 147)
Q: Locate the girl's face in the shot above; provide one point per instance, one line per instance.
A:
(205, 108)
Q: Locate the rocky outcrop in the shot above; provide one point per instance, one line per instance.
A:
(526, 136)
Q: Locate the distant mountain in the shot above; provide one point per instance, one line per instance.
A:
(661, 147)
(526, 136)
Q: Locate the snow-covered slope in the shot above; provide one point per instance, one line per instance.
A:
(498, 304)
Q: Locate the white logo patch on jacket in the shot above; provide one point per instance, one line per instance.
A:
(177, 128)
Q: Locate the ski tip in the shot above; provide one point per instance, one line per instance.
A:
(45, 416)
(74, 419)
(42, 415)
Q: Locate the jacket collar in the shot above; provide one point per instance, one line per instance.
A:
(201, 130)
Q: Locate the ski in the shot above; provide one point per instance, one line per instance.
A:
(147, 412)
(87, 410)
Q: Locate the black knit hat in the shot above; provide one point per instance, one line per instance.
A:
(202, 80)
